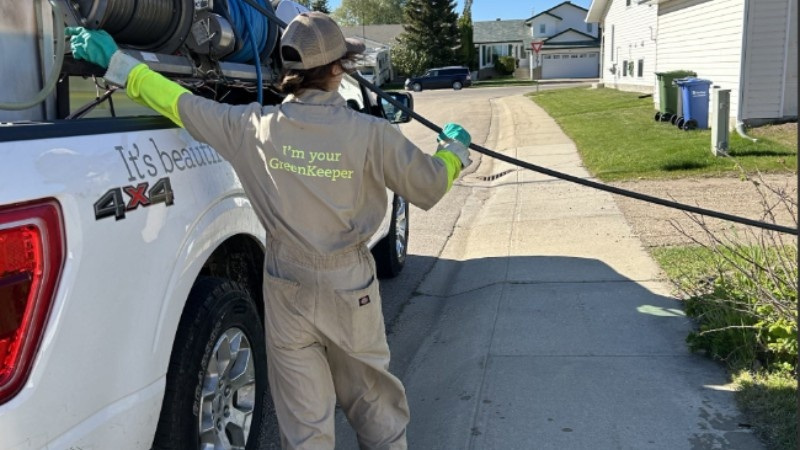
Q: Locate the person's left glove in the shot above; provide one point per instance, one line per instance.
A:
(456, 132)
(95, 46)
(455, 139)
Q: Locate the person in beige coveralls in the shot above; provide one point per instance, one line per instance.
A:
(316, 172)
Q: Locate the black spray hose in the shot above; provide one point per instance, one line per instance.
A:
(549, 172)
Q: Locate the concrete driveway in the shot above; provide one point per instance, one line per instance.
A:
(534, 318)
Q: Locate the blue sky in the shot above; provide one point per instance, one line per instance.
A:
(502, 9)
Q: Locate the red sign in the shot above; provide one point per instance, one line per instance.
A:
(536, 46)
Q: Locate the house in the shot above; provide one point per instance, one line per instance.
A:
(747, 46)
(628, 44)
(570, 43)
(497, 38)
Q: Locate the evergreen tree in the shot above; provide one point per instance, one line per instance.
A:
(431, 30)
(306, 3)
(469, 57)
(321, 6)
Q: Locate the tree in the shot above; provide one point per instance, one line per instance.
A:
(321, 6)
(468, 55)
(431, 30)
(407, 61)
(316, 5)
(369, 12)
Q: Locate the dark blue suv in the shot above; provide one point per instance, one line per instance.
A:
(455, 77)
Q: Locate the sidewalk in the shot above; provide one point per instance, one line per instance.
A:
(549, 324)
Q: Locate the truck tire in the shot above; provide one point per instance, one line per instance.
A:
(217, 391)
(390, 252)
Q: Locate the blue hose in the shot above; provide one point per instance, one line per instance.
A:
(254, 30)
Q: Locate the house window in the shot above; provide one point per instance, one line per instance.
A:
(627, 2)
(589, 28)
(542, 28)
(640, 68)
(546, 56)
(624, 68)
(573, 56)
(510, 50)
(556, 56)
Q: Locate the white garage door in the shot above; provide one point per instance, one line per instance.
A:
(570, 65)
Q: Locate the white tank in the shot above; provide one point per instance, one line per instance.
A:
(20, 57)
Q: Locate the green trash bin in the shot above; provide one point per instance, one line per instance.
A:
(668, 93)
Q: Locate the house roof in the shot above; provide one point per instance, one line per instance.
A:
(498, 31)
(543, 12)
(549, 11)
(371, 45)
(573, 30)
(383, 34)
(597, 11)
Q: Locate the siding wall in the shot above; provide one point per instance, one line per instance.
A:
(769, 72)
(573, 18)
(553, 27)
(634, 29)
(790, 96)
(704, 36)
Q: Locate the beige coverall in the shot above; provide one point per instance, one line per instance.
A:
(316, 172)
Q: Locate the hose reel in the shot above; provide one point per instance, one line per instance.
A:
(159, 26)
(213, 28)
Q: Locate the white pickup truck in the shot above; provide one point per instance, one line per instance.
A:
(130, 259)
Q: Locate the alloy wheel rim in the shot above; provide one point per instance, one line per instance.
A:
(228, 396)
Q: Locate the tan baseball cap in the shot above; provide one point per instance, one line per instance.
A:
(313, 39)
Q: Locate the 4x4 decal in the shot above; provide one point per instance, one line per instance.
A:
(113, 204)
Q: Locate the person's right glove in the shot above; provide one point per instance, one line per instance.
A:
(98, 47)
(95, 46)
(455, 139)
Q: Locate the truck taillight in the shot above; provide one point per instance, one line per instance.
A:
(31, 259)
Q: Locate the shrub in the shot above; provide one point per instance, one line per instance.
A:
(747, 309)
(505, 65)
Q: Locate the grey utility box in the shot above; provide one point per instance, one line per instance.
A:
(720, 115)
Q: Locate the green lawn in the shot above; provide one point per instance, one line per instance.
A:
(619, 140)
